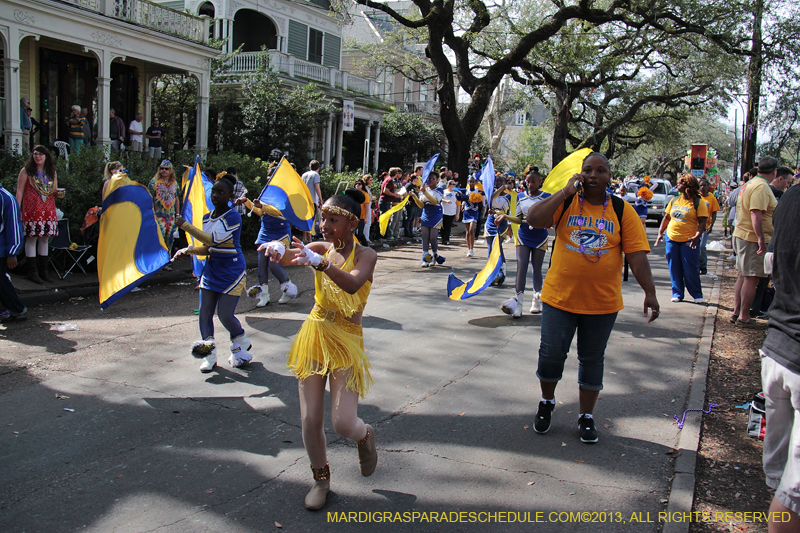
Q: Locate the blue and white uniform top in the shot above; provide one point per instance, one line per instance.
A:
(10, 224)
(431, 213)
(471, 209)
(225, 267)
(527, 235)
(502, 204)
(641, 207)
(273, 229)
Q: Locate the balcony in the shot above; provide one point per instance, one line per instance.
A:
(149, 15)
(298, 68)
(423, 107)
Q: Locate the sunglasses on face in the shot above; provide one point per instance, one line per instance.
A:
(164, 168)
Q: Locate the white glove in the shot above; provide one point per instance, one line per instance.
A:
(274, 250)
(308, 257)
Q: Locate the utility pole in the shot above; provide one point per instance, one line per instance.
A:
(754, 92)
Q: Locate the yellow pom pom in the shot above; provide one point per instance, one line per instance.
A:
(476, 197)
(73, 246)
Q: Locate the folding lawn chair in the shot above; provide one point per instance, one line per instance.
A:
(62, 257)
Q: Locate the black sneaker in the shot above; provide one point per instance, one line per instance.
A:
(587, 429)
(543, 416)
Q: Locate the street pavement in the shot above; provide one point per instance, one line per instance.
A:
(111, 427)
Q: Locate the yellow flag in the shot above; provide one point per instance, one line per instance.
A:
(384, 219)
(563, 171)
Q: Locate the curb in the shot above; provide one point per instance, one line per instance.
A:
(681, 495)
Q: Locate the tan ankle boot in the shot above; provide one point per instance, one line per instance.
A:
(367, 454)
(315, 499)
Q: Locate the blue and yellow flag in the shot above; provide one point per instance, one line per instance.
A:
(288, 193)
(458, 290)
(196, 203)
(130, 248)
(560, 175)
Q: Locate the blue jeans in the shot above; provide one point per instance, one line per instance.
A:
(558, 329)
(703, 261)
(683, 272)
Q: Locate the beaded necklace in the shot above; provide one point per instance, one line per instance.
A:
(600, 226)
(42, 184)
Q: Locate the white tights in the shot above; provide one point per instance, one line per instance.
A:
(344, 408)
(32, 243)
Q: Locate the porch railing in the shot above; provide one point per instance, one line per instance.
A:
(424, 107)
(150, 15)
(295, 67)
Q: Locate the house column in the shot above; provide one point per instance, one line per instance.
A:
(148, 102)
(104, 59)
(339, 140)
(376, 149)
(203, 97)
(13, 118)
(367, 135)
(326, 152)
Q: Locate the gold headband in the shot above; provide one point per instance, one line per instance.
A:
(339, 211)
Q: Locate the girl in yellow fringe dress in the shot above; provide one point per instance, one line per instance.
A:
(330, 343)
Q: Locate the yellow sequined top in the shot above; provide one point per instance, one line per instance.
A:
(328, 341)
(328, 295)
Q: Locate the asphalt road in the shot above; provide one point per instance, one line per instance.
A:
(111, 427)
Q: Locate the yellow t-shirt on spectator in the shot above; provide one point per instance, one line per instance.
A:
(683, 218)
(713, 204)
(756, 195)
(573, 283)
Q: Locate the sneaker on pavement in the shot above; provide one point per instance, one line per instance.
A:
(509, 307)
(536, 305)
(587, 429)
(471, 253)
(676, 299)
(543, 416)
(701, 300)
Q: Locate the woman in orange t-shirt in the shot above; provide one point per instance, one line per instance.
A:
(583, 287)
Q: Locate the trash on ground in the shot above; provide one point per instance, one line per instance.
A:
(61, 328)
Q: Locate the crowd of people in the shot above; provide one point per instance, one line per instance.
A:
(80, 131)
(595, 233)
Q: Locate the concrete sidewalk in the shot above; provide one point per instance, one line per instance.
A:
(154, 445)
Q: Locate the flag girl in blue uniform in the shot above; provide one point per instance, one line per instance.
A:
(531, 246)
(274, 227)
(224, 276)
(496, 227)
(472, 198)
(431, 204)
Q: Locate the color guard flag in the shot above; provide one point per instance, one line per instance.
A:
(486, 177)
(560, 175)
(458, 290)
(130, 247)
(196, 203)
(288, 193)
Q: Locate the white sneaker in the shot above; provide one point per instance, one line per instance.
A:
(289, 291)
(263, 296)
(207, 351)
(508, 240)
(536, 304)
(518, 310)
(675, 300)
(731, 257)
(510, 306)
(471, 253)
(701, 300)
(239, 356)
(480, 241)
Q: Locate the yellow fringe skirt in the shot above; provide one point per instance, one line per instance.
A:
(328, 342)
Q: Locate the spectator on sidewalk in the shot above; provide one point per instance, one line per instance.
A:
(713, 207)
(10, 246)
(449, 209)
(311, 178)
(783, 180)
(754, 209)
(388, 198)
(25, 124)
(780, 368)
